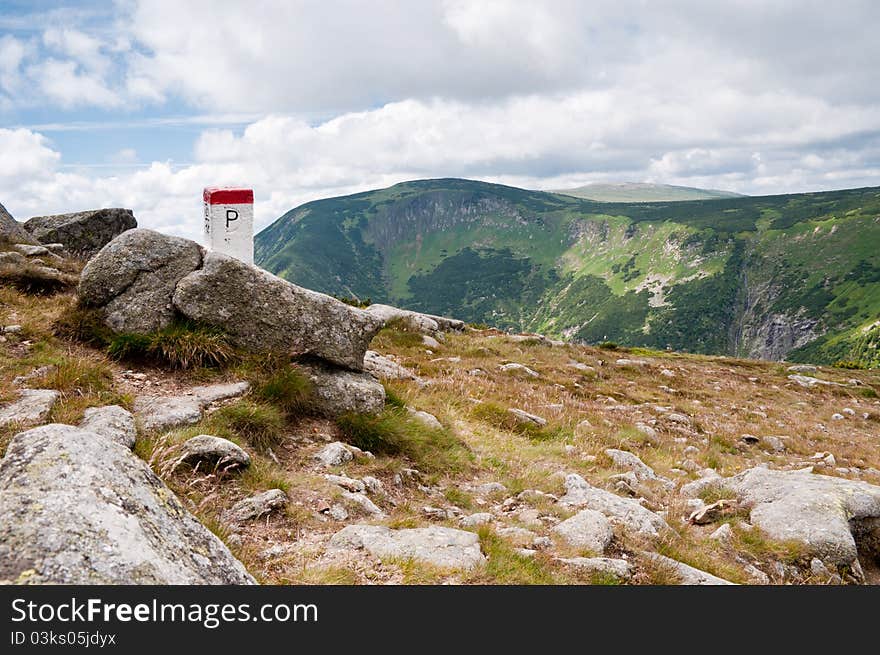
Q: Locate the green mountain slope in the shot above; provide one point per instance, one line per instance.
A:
(789, 276)
(643, 192)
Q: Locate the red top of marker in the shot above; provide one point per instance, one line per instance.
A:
(228, 196)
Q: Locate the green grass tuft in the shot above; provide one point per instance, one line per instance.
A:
(261, 424)
(182, 345)
(83, 324)
(287, 389)
(394, 432)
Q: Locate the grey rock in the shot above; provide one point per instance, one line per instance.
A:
(430, 342)
(756, 575)
(338, 513)
(526, 418)
(349, 484)
(631, 362)
(588, 529)
(213, 453)
(723, 534)
(410, 320)
(678, 418)
(386, 369)
(624, 512)
(88, 511)
(256, 506)
(213, 393)
(438, 546)
(627, 460)
(12, 329)
(518, 536)
(263, 313)
(818, 568)
(775, 444)
(803, 368)
(618, 568)
(31, 406)
(820, 512)
(475, 520)
(513, 367)
(809, 381)
(82, 233)
(334, 454)
(31, 251)
(415, 320)
(702, 485)
(167, 412)
(111, 421)
(686, 574)
(428, 420)
(338, 391)
(648, 431)
(542, 543)
(489, 488)
(134, 276)
(373, 485)
(11, 231)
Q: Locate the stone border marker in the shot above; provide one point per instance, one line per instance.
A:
(229, 222)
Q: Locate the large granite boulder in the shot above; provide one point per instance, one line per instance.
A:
(828, 516)
(82, 233)
(263, 313)
(134, 276)
(337, 391)
(77, 507)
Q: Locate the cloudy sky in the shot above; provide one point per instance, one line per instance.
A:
(142, 103)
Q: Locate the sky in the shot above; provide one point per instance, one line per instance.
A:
(143, 103)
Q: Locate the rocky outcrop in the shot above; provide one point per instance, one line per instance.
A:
(264, 313)
(82, 233)
(133, 279)
(167, 412)
(79, 508)
(111, 421)
(385, 368)
(822, 513)
(623, 512)
(11, 231)
(31, 406)
(588, 529)
(442, 547)
(337, 391)
(415, 321)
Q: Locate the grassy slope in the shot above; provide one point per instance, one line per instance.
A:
(588, 410)
(653, 274)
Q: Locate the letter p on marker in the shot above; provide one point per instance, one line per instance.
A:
(229, 222)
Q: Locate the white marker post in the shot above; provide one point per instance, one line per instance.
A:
(229, 222)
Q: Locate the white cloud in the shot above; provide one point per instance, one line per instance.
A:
(67, 85)
(342, 97)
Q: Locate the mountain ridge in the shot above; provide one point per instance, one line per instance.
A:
(643, 192)
(724, 276)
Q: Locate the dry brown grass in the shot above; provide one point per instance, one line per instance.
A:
(587, 412)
